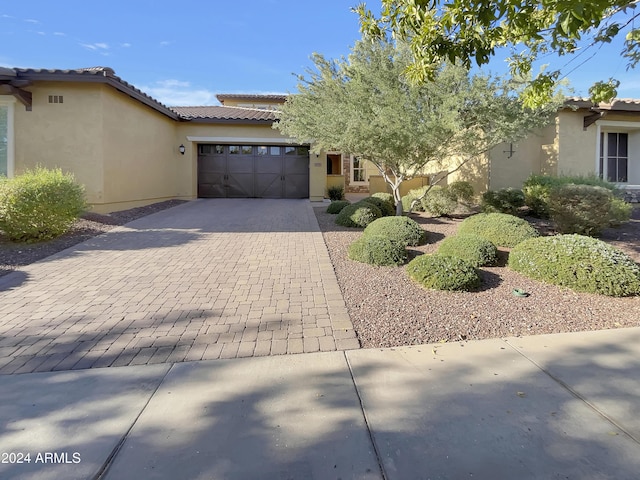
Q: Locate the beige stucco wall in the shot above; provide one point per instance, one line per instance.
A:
(576, 146)
(141, 158)
(67, 135)
(534, 154)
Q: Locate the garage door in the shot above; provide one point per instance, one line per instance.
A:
(261, 171)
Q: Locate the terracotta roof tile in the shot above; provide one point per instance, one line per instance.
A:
(224, 113)
(252, 96)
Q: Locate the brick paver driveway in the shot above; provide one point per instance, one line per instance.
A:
(209, 279)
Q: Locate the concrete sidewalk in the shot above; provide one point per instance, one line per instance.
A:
(553, 406)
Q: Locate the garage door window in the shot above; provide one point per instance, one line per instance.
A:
(246, 149)
(274, 150)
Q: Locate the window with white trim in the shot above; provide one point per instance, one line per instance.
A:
(614, 157)
(358, 172)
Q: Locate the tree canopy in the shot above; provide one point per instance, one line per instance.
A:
(470, 31)
(364, 105)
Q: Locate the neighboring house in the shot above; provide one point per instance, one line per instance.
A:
(130, 150)
(583, 139)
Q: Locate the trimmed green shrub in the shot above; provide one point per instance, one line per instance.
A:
(337, 205)
(472, 248)
(443, 273)
(505, 200)
(400, 229)
(384, 206)
(387, 197)
(40, 204)
(439, 201)
(411, 196)
(358, 215)
(581, 209)
(377, 250)
(581, 263)
(335, 192)
(501, 229)
(537, 189)
(462, 191)
(619, 212)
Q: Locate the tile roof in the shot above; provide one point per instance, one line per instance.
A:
(99, 74)
(222, 113)
(252, 96)
(617, 104)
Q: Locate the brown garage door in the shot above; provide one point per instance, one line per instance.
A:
(261, 171)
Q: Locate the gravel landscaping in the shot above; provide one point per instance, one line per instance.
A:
(388, 309)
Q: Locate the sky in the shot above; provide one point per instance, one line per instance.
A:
(185, 52)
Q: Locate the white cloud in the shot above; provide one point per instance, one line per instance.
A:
(95, 46)
(31, 20)
(4, 15)
(179, 93)
(59, 34)
(41, 33)
(165, 43)
(125, 45)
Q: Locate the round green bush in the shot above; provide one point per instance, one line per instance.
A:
(377, 250)
(505, 200)
(472, 248)
(337, 205)
(439, 201)
(358, 215)
(581, 263)
(412, 195)
(581, 209)
(386, 208)
(400, 229)
(443, 273)
(39, 204)
(619, 212)
(461, 190)
(387, 197)
(501, 229)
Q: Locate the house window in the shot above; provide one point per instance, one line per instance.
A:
(6, 138)
(357, 170)
(614, 156)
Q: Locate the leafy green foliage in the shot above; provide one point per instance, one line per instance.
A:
(39, 205)
(363, 104)
(387, 197)
(505, 200)
(377, 250)
(471, 32)
(439, 201)
(537, 189)
(358, 215)
(462, 191)
(501, 229)
(443, 273)
(581, 209)
(472, 248)
(414, 194)
(581, 263)
(336, 192)
(385, 207)
(619, 212)
(399, 229)
(337, 205)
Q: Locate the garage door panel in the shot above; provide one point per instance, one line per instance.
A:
(269, 172)
(211, 172)
(268, 185)
(240, 185)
